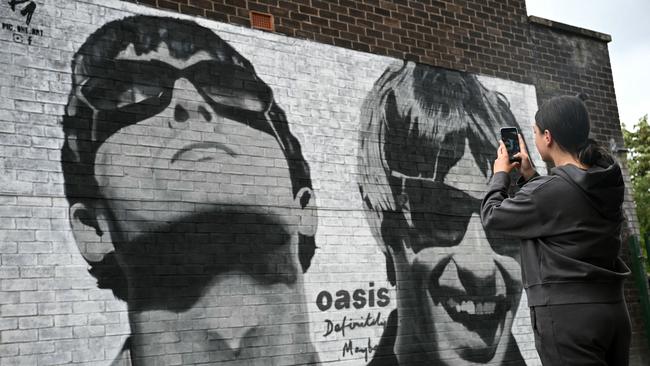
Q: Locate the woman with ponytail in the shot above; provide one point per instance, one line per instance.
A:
(569, 223)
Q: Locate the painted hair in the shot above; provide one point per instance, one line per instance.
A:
(85, 129)
(85, 132)
(416, 121)
(567, 118)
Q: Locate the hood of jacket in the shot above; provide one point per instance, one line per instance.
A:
(602, 184)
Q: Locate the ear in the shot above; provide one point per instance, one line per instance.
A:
(309, 215)
(548, 138)
(91, 232)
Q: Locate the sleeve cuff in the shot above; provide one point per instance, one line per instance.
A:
(500, 179)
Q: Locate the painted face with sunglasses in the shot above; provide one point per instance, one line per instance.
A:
(458, 286)
(195, 200)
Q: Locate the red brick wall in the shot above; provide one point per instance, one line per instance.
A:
(477, 36)
(492, 38)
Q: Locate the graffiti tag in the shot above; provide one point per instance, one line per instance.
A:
(27, 11)
(22, 34)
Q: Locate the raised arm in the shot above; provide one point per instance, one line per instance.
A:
(530, 213)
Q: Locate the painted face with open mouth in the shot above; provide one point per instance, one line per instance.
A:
(458, 287)
(468, 310)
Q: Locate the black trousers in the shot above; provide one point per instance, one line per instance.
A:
(582, 334)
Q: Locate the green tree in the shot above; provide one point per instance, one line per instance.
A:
(638, 143)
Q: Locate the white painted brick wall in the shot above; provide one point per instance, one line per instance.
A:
(51, 311)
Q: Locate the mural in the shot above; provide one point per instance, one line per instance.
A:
(458, 287)
(181, 191)
(222, 268)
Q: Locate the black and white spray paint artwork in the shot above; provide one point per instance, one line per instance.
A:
(191, 200)
(162, 123)
(27, 10)
(458, 287)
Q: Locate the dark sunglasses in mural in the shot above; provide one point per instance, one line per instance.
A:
(131, 91)
(438, 214)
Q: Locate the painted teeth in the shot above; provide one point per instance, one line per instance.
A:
(473, 308)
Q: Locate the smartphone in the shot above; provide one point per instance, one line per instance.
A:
(510, 137)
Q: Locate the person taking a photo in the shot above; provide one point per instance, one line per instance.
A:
(569, 223)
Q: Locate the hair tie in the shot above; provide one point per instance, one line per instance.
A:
(583, 145)
(586, 144)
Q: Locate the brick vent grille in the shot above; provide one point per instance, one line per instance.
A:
(262, 21)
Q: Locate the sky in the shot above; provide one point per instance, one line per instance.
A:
(629, 51)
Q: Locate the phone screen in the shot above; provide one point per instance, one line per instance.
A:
(510, 138)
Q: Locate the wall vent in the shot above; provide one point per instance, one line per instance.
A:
(262, 21)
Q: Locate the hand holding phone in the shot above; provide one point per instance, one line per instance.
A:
(510, 137)
(513, 145)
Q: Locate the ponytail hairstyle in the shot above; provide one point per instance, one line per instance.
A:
(567, 119)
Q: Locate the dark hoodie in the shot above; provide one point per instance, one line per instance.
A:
(570, 225)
